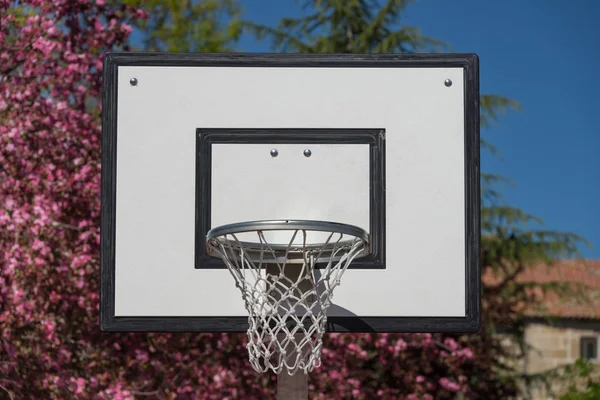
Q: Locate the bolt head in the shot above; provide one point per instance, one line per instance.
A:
(133, 81)
(307, 153)
(274, 152)
(448, 82)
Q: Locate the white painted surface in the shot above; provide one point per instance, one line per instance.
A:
(330, 185)
(157, 121)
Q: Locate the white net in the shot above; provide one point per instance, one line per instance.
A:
(285, 295)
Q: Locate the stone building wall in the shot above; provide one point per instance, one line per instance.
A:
(553, 346)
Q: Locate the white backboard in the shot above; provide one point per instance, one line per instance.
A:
(394, 149)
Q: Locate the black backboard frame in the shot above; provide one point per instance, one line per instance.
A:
(470, 65)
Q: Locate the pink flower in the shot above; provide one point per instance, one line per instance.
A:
(54, 297)
(141, 356)
(451, 343)
(426, 339)
(49, 329)
(44, 45)
(353, 348)
(465, 353)
(127, 29)
(420, 379)
(449, 385)
(399, 346)
(53, 31)
(141, 14)
(79, 385)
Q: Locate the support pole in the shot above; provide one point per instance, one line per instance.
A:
(292, 387)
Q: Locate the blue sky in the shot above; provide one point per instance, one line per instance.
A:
(544, 54)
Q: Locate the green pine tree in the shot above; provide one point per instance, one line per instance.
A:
(347, 26)
(189, 25)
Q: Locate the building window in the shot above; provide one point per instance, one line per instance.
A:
(589, 348)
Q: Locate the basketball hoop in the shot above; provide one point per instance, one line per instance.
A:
(287, 271)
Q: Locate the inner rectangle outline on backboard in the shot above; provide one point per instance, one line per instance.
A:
(375, 138)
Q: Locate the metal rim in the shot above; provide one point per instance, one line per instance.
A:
(273, 225)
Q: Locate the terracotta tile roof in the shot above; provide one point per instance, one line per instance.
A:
(584, 273)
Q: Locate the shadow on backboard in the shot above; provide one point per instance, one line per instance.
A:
(344, 320)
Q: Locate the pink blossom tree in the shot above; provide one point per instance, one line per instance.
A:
(50, 343)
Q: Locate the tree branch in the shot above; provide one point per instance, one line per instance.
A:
(8, 392)
(138, 393)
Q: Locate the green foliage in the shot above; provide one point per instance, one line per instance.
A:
(585, 386)
(492, 108)
(592, 392)
(347, 26)
(19, 14)
(189, 25)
